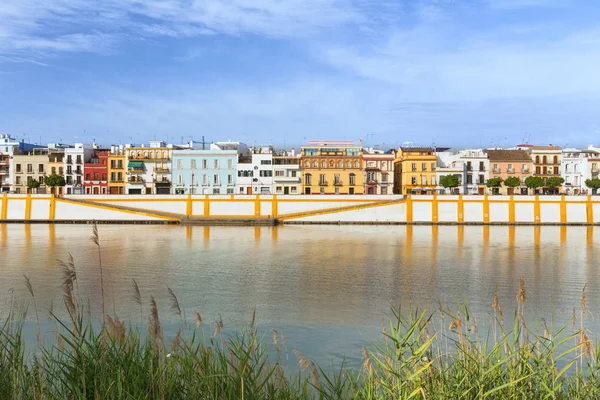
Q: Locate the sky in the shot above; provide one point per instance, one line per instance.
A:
(453, 73)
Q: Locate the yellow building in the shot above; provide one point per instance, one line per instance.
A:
(415, 170)
(26, 167)
(56, 165)
(332, 167)
(148, 169)
(117, 161)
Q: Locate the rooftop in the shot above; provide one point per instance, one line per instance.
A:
(508, 155)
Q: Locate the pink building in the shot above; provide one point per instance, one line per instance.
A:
(378, 171)
(510, 163)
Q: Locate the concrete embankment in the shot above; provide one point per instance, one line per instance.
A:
(269, 210)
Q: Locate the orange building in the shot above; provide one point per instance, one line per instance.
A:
(510, 163)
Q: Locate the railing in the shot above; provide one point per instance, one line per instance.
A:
(496, 170)
(135, 169)
(322, 183)
(136, 180)
(162, 170)
(373, 181)
(338, 183)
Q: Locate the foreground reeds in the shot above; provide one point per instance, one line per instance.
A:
(444, 354)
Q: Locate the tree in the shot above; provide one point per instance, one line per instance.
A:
(512, 182)
(450, 181)
(593, 184)
(55, 180)
(534, 182)
(554, 182)
(33, 184)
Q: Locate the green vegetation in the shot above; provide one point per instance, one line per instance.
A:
(494, 182)
(33, 184)
(450, 181)
(420, 355)
(534, 182)
(55, 180)
(554, 182)
(593, 184)
(512, 182)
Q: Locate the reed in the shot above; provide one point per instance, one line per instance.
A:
(420, 355)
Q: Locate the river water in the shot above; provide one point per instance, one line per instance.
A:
(326, 287)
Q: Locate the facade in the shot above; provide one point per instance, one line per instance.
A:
(415, 170)
(332, 167)
(255, 173)
(450, 163)
(96, 174)
(546, 161)
(5, 176)
(117, 162)
(378, 175)
(507, 163)
(149, 169)
(75, 159)
(26, 167)
(56, 165)
(204, 171)
(477, 168)
(8, 148)
(576, 166)
(286, 173)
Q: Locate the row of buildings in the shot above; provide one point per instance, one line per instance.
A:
(321, 167)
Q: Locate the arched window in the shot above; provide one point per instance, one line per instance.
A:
(164, 155)
(132, 154)
(348, 164)
(340, 164)
(331, 164)
(537, 159)
(355, 164)
(555, 159)
(145, 154)
(545, 160)
(307, 164)
(352, 179)
(307, 178)
(315, 164)
(323, 164)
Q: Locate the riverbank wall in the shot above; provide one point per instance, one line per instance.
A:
(317, 209)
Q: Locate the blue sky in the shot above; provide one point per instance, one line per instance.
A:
(449, 72)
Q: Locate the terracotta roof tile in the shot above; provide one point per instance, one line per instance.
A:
(508, 155)
(546, 148)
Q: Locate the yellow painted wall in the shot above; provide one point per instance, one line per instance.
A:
(425, 176)
(335, 168)
(116, 184)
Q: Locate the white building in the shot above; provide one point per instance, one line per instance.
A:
(255, 173)
(575, 168)
(477, 170)
(74, 167)
(450, 163)
(8, 148)
(286, 173)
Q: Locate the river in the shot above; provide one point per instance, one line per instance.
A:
(326, 287)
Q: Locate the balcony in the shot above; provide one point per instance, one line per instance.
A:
(135, 169)
(293, 179)
(162, 170)
(510, 171)
(136, 181)
(496, 170)
(323, 183)
(525, 171)
(338, 183)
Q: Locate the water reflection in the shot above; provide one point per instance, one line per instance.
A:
(310, 279)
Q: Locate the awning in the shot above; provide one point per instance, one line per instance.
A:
(135, 164)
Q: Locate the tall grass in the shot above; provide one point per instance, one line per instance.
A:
(420, 355)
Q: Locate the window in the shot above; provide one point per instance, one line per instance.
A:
(576, 180)
(216, 190)
(537, 159)
(348, 164)
(18, 168)
(204, 164)
(433, 180)
(352, 179)
(414, 167)
(322, 179)
(538, 170)
(496, 168)
(18, 180)
(229, 164)
(113, 164)
(113, 176)
(423, 167)
(41, 168)
(87, 177)
(180, 164)
(355, 164)
(351, 190)
(307, 164)
(192, 164)
(120, 163)
(265, 174)
(279, 173)
(337, 190)
(413, 180)
(69, 170)
(481, 166)
(556, 172)
(555, 159)
(179, 179)
(53, 170)
(205, 180)
(216, 162)
(544, 160)
(384, 178)
(524, 168)
(29, 168)
(575, 169)
(315, 164)
(293, 174)
(469, 179)
(384, 190)
(336, 179)
(353, 152)
(215, 179)
(323, 164)
(278, 189)
(340, 164)
(120, 177)
(307, 179)
(230, 179)
(322, 190)
(103, 177)
(265, 162)
(469, 166)
(510, 168)
(96, 176)
(229, 190)
(423, 180)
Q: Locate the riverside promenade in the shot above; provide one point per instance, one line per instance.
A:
(268, 210)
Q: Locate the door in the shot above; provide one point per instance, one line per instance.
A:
(249, 191)
(286, 190)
